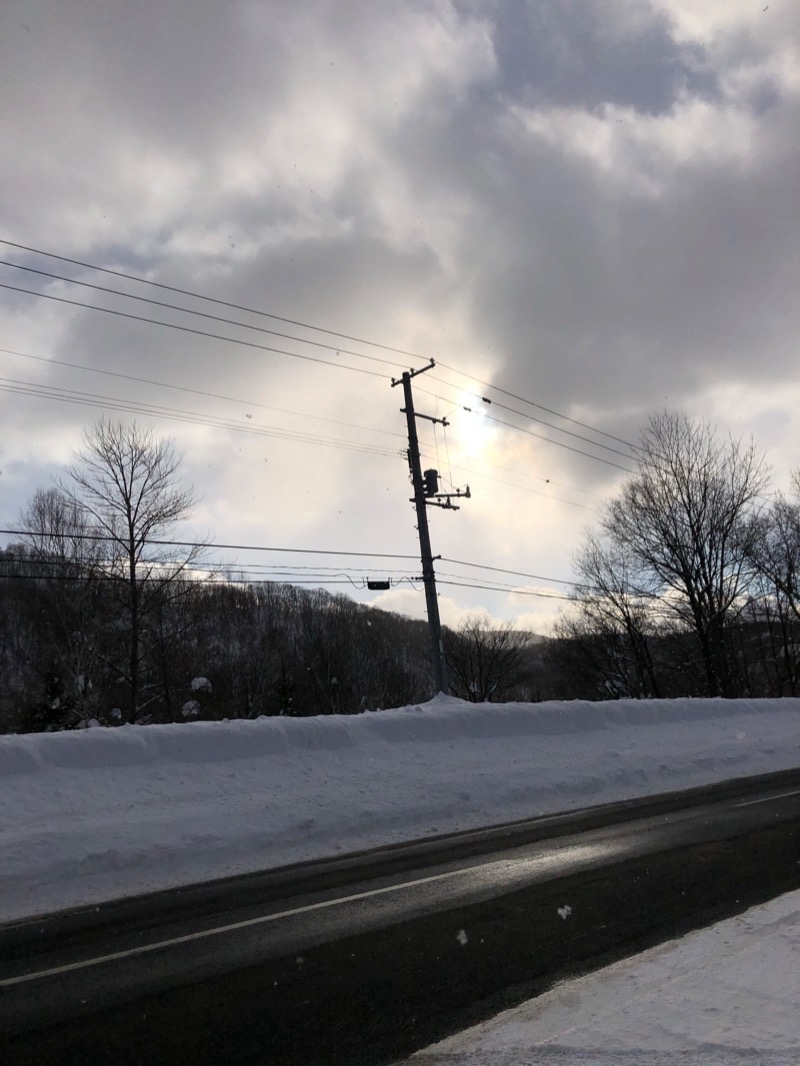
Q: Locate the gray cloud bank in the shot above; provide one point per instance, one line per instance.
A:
(579, 201)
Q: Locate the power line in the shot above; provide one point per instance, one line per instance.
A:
(208, 544)
(84, 399)
(560, 444)
(526, 474)
(270, 548)
(176, 414)
(274, 568)
(88, 569)
(532, 418)
(108, 400)
(13, 386)
(304, 325)
(200, 392)
(532, 403)
(209, 299)
(298, 355)
(229, 580)
(511, 470)
(190, 329)
(196, 580)
(557, 443)
(280, 410)
(508, 588)
(192, 311)
(513, 573)
(250, 344)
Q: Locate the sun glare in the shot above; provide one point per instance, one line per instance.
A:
(475, 432)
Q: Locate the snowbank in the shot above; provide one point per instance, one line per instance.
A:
(723, 996)
(106, 812)
(442, 719)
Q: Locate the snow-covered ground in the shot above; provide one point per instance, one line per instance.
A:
(724, 996)
(91, 815)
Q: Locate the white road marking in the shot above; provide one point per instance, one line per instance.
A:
(768, 799)
(250, 922)
(202, 934)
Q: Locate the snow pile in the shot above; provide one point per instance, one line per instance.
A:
(106, 812)
(724, 996)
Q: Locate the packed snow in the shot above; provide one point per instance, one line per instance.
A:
(109, 812)
(725, 996)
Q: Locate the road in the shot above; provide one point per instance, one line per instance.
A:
(364, 959)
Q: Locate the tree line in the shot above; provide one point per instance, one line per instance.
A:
(104, 619)
(689, 586)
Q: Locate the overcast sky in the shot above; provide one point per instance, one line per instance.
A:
(590, 204)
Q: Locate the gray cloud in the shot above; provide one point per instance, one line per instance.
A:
(587, 54)
(572, 200)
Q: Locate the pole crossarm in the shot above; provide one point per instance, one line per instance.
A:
(412, 373)
(429, 418)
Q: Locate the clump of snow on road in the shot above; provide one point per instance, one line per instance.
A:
(90, 815)
(724, 996)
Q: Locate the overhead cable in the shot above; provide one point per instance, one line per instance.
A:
(193, 311)
(532, 403)
(530, 418)
(212, 544)
(202, 392)
(305, 325)
(84, 399)
(515, 591)
(190, 329)
(268, 548)
(281, 410)
(209, 299)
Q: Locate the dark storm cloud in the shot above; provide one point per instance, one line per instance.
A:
(587, 53)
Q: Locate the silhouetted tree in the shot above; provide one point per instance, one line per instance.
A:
(615, 610)
(126, 483)
(685, 521)
(484, 658)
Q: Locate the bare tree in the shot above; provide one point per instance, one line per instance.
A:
(126, 482)
(484, 659)
(58, 534)
(62, 548)
(775, 553)
(614, 609)
(685, 520)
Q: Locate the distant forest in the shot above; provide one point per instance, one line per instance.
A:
(211, 651)
(689, 587)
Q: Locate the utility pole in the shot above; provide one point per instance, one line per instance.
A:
(426, 493)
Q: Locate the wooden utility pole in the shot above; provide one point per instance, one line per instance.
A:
(426, 492)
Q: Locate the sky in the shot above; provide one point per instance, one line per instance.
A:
(585, 212)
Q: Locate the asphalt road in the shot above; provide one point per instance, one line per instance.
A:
(364, 959)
